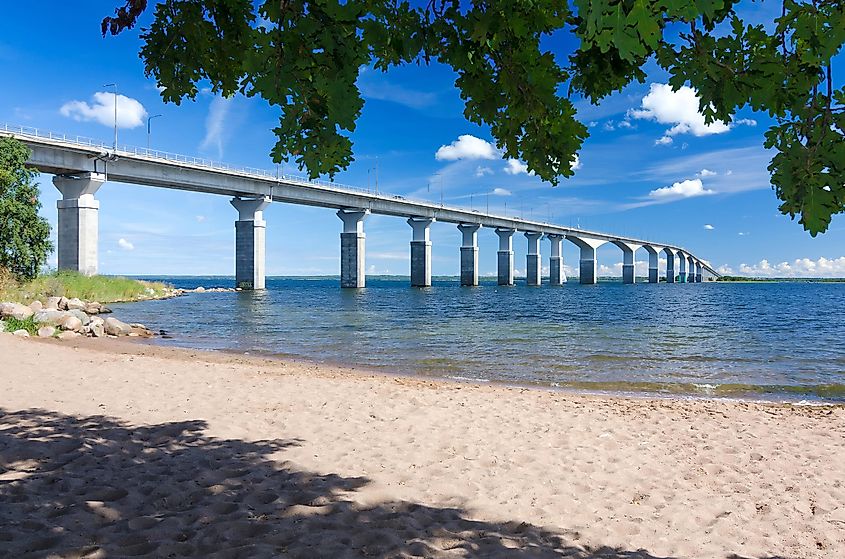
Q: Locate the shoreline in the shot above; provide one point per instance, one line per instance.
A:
(232, 452)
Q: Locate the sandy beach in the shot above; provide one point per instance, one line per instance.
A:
(111, 449)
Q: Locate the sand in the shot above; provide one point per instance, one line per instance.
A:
(111, 449)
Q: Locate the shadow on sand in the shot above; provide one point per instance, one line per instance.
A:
(99, 487)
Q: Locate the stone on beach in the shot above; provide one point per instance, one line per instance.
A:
(2, 326)
(71, 322)
(75, 304)
(21, 333)
(46, 332)
(84, 318)
(53, 303)
(69, 335)
(36, 306)
(95, 328)
(115, 327)
(15, 310)
(49, 316)
(93, 307)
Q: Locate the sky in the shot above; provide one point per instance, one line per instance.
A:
(651, 168)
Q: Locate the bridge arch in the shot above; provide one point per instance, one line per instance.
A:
(588, 264)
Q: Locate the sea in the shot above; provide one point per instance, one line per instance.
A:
(782, 341)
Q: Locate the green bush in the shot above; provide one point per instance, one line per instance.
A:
(27, 324)
(105, 289)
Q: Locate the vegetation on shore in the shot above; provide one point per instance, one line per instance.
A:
(104, 289)
(743, 279)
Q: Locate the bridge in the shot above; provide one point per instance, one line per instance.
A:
(81, 166)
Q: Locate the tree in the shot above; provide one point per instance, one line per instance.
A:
(24, 235)
(304, 57)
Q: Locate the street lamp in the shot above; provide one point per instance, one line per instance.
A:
(114, 85)
(148, 129)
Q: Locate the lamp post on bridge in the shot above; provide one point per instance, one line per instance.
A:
(114, 86)
(148, 138)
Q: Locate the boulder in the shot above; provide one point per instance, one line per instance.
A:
(2, 326)
(69, 335)
(93, 307)
(49, 317)
(21, 333)
(53, 303)
(114, 327)
(36, 306)
(71, 322)
(141, 332)
(15, 310)
(105, 310)
(84, 318)
(96, 327)
(46, 332)
(62, 304)
(75, 304)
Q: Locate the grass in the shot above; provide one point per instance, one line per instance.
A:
(105, 289)
(13, 324)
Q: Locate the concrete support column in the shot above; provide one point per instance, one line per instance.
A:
(629, 261)
(556, 274)
(469, 253)
(420, 251)
(682, 268)
(691, 269)
(78, 227)
(505, 256)
(588, 264)
(670, 266)
(250, 229)
(533, 274)
(653, 269)
(352, 248)
(698, 272)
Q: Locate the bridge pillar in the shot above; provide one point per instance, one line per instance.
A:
(690, 269)
(588, 265)
(78, 228)
(682, 268)
(250, 229)
(698, 272)
(670, 265)
(533, 274)
(556, 274)
(629, 261)
(352, 248)
(653, 260)
(469, 253)
(505, 256)
(420, 251)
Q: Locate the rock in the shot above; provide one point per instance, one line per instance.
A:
(141, 331)
(15, 310)
(21, 333)
(75, 304)
(114, 327)
(756, 456)
(2, 326)
(46, 332)
(36, 306)
(96, 327)
(71, 322)
(62, 304)
(49, 317)
(53, 303)
(93, 307)
(69, 335)
(84, 318)
(201, 289)
(105, 310)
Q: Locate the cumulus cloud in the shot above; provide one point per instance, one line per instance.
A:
(130, 113)
(515, 167)
(707, 173)
(798, 268)
(467, 147)
(663, 141)
(709, 227)
(501, 192)
(200, 218)
(576, 162)
(683, 189)
(124, 244)
(215, 123)
(482, 171)
(680, 108)
(746, 121)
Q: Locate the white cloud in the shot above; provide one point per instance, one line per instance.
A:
(746, 121)
(743, 234)
(199, 218)
(576, 162)
(130, 113)
(683, 189)
(609, 126)
(482, 171)
(467, 147)
(707, 173)
(515, 167)
(798, 268)
(709, 227)
(125, 245)
(625, 124)
(501, 192)
(663, 141)
(676, 107)
(215, 125)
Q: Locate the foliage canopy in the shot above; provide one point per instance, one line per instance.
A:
(304, 57)
(24, 235)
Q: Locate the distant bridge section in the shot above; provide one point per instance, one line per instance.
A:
(81, 166)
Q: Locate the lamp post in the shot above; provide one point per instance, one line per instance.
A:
(114, 85)
(148, 130)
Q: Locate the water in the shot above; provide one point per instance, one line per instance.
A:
(772, 340)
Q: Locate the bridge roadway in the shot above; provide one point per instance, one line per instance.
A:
(81, 166)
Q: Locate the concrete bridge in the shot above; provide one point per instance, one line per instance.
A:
(81, 166)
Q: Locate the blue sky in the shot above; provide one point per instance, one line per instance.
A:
(650, 168)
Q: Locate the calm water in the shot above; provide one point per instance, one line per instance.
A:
(772, 340)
